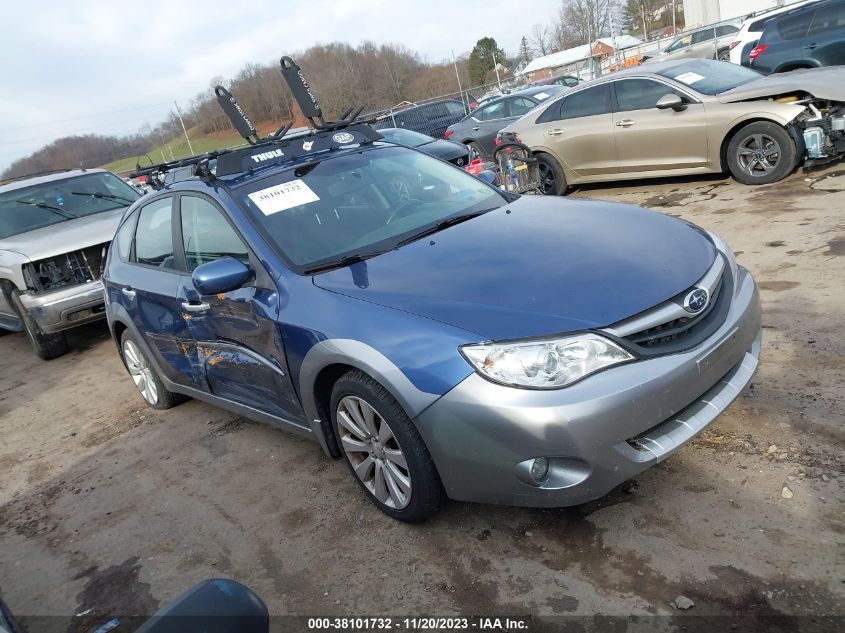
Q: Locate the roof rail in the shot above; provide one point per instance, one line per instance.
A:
(39, 173)
(263, 151)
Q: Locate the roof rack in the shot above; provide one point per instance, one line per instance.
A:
(325, 135)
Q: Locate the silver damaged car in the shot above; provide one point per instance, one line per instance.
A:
(55, 231)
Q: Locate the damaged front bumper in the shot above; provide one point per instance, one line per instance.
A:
(65, 308)
(822, 130)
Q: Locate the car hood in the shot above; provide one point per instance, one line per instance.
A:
(822, 83)
(66, 236)
(537, 266)
(447, 150)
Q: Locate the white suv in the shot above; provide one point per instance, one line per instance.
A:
(752, 29)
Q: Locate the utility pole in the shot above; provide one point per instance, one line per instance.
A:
(615, 48)
(674, 26)
(496, 68)
(187, 138)
(460, 90)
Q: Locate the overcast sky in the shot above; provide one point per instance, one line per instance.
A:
(109, 67)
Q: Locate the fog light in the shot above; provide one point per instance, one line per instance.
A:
(540, 468)
(76, 316)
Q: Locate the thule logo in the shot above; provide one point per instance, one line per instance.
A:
(273, 153)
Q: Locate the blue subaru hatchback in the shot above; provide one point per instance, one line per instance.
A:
(455, 341)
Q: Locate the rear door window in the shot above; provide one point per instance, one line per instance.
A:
(793, 27)
(726, 29)
(154, 235)
(589, 102)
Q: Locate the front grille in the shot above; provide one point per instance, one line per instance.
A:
(76, 267)
(677, 329)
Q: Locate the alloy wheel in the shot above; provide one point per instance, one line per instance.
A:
(758, 155)
(140, 371)
(373, 451)
(547, 178)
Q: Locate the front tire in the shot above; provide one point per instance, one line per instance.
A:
(475, 147)
(761, 153)
(46, 346)
(383, 449)
(145, 376)
(552, 180)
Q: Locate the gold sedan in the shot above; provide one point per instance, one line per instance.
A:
(688, 117)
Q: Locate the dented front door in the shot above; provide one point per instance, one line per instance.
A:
(237, 338)
(239, 347)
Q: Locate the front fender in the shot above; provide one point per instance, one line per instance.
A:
(367, 359)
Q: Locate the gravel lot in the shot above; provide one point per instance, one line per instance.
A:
(109, 506)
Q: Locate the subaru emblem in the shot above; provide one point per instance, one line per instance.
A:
(696, 300)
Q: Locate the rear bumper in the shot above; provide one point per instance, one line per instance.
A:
(596, 433)
(66, 308)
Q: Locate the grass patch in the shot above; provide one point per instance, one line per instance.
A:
(178, 148)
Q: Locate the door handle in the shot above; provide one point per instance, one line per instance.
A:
(812, 46)
(128, 292)
(476, 128)
(187, 306)
(556, 132)
(625, 123)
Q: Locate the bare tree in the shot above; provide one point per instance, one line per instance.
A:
(583, 21)
(541, 39)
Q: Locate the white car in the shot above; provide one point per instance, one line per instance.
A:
(752, 29)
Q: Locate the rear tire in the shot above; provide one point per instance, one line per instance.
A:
(724, 55)
(383, 450)
(145, 376)
(552, 180)
(761, 153)
(46, 346)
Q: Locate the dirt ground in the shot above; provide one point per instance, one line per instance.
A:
(109, 507)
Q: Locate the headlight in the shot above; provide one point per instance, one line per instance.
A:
(546, 364)
(723, 248)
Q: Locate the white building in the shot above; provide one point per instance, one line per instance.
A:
(702, 12)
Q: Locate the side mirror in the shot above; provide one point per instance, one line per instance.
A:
(221, 275)
(671, 101)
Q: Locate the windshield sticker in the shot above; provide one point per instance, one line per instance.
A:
(285, 196)
(541, 95)
(689, 78)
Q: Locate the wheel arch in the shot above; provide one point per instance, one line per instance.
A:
(326, 361)
(736, 126)
(786, 67)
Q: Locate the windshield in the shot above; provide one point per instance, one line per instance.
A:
(409, 138)
(28, 208)
(361, 204)
(710, 77)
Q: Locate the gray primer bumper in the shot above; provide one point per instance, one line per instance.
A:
(63, 309)
(479, 431)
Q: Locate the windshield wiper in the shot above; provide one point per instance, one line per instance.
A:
(49, 207)
(97, 194)
(342, 261)
(443, 224)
